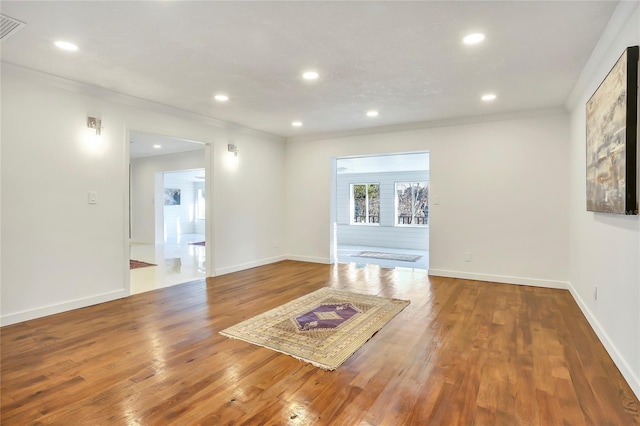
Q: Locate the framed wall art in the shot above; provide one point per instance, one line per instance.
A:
(171, 197)
(612, 120)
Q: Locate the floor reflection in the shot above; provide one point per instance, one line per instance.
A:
(178, 262)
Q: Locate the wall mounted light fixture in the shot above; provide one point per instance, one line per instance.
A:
(233, 148)
(95, 123)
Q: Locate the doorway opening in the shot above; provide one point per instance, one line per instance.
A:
(167, 211)
(381, 210)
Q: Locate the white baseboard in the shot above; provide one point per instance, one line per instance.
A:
(324, 260)
(61, 307)
(533, 282)
(248, 265)
(620, 362)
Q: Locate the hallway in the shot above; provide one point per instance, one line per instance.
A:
(177, 262)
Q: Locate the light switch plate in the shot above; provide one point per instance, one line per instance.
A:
(93, 197)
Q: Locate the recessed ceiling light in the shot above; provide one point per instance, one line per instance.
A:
(221, 98)
(310, 75)
(156, 146)
(65, 45)
(296, 123)
(474, 38)
(372, 113)
(488, 97)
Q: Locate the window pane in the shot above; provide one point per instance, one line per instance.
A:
(403, 192)
(359, 203)
(200, 203)
(421, 203)
(412, 203)
(374, 203)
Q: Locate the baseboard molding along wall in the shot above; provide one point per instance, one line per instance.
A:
(310, 259)
(248, 265)
(621, 363)
(533, 282)
(61, 307)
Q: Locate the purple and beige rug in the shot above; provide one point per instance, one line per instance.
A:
(135, 264)
(323, 328)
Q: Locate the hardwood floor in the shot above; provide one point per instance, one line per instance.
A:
(464, 352)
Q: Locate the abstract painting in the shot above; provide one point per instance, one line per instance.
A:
(612, 117)
(171, 197)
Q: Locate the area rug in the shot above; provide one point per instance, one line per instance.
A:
(197, 243)
(323, 328)
(135, 264)
(388, 256)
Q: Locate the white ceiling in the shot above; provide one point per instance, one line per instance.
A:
(404, 59)
(142, 145)
(384, 163)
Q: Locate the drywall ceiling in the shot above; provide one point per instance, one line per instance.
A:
(149, 145)
(403, 59)
(384, 163)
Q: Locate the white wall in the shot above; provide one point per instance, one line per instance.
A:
(499, 189)
(386, 233)
(179, 219)
(66, 253)
(605, 249)
(143, 174)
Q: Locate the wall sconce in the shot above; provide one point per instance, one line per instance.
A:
(233, 148)
(95, 123)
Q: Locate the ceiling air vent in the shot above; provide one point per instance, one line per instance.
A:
(9, 26)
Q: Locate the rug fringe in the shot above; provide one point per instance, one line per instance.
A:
(315, 364)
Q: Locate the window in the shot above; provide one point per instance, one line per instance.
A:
(412, 203)
(200, 209)
(365, 203)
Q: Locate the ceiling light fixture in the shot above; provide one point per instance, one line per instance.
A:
(488, 97)
(474, 38)
(65, 45)
(221, 98)
(296, 123)
(310, 75)
(372, 113)
(156, 146)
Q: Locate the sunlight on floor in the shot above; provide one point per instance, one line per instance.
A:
(177, 262)
(347, 254)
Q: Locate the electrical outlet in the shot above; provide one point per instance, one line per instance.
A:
(595, 292)
(467, 256)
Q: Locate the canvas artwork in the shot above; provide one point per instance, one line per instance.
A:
(171, 197)
(611, 139)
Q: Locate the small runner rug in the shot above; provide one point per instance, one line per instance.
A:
(323, 328)
(198, 243)
(388, 256)
(135, 264)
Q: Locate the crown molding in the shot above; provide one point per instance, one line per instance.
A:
(623, 13)
(102, 93)
(457, 121)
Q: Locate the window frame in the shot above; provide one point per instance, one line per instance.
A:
(413, 184)
(352, 204)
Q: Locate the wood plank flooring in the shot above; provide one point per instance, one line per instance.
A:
(463, 353)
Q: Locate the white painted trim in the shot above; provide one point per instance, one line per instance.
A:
(209, 171)
(110, 95)
(310, 259)
(248, 265)
(619, 361)
(61, 307)
(533, 282)
(458, 121)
